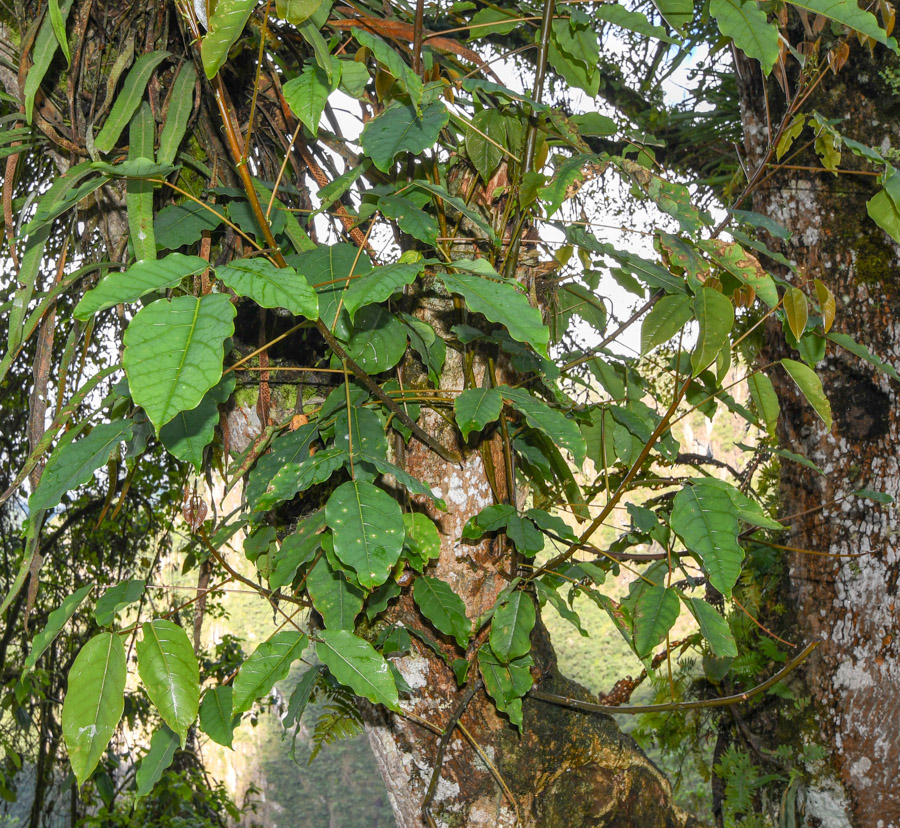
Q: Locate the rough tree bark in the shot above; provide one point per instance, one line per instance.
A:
(851, 604)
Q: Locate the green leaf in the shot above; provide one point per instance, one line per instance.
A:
(870, 494)
(170, 673)
(116, 598)
(296, 11)
(128, 100)
(485, 154)
(162, 751)
(706, 519)
(430, 347)
(174, 352)
(715, 314)
(562, 430)
(270, 286)
(796, 310)
(140, 279)
(633, 21)
(308, 92)
(297, 477)
(379, 284)
(289, 448)
(564, 176)
(714, 628)
(139, 193)
(55, 622)
(422, 542)
(269, 664)
(73, 463)
(511, 627)
(885, 212)
(45, 45)
(226, 24)
(667, 317)
(848, 13)
(180, 224)
(410, 219)
(334, 598)
(402, 129)
(506, 684)
(58, 22)
(181, 105)
(415, 486)
(94, 702)
(393, 62)
(377, 341)
(356, 664)
(188, 433)
(677, 13)
(443, 608)
(476, 408)
(458, 204)
(359, 430)
(811, 387)
(501, 302)
(864, 353)
(747, 25)
(296, 550)
(655, 614)
(300, 697)
(368, 530)
(765, 399)
(216, 718)
(504, 25)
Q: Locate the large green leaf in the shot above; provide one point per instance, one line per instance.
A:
(368, 530)
(848, 13)
(667, 317)
(128, 100)
(356, 664)
(506, 684)
(377, 341)
(334, 598)
(378, 284)
(392, 60)
(178, 111)
(170, 673)
(677, 13)
(271, 286)
(715, 314)
(511, 627)
(402, 129)
(55, 622)
(180, 224)
(292, 447)
(94, 702)
(561, 429)
(216, 718)
(269, 664)
(308, 92)
(296, 550)
(225, 26)
(655, 614)
(162, 750)
(140, 279)
(139, 193)
(634, 21)
(443, 608)
(423, 541)
(118, 597)
(188, 433)
(762, 392)
(501, 302)
(706, 519)
(476, 408)
(297, 477)
(811, 387)
(747, 25)
(73, 464)
(174, 352)
(357, 431)
(484, 141)
(714, 628)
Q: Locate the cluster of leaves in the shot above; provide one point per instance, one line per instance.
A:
(436, 149)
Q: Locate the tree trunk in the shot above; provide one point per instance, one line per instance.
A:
(849, 603)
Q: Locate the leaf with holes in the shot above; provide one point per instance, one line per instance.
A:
(94, 702)
(511, 627)
(73, 463)
(270, 663)
(162, 750)
(476, 408)
(655, 614)
(501, 302)
(140, 279)
(270, 286)
(216, 718)
(443, 608)
(810, 386)
(139, 193)
(356, 664)
(368, 530)
(174, 352)
(170, 673)
(706, 520)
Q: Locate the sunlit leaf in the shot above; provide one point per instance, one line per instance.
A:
(356, 664)
(269, 663)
